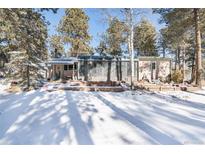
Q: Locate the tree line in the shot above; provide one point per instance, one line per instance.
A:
(23, 38)
(184, 37)
(73, 30)
(24, 31)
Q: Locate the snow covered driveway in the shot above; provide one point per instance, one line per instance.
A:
(73, 117)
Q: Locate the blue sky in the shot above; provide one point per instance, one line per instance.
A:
(97, 24)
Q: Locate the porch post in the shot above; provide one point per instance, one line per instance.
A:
(62, 72)
(53, 72)
(73, 70)
(157, 69)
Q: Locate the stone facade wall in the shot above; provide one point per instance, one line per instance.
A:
(164, 69)
(145, 70)
(161, 69)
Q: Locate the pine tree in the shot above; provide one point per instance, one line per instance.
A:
(25, 33)
(181, 21)
(56, 46)
(115, 37)
(74, 29)
(198, 47)
(163, 43)
(145, 38)
(102, 47)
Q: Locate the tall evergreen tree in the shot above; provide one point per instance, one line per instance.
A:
(24, 31)
(74, 28)
(183, 20)
(145, 38)
(198, 47)
(163, 41)
(102, 47)
(115, 37)
(56, 46)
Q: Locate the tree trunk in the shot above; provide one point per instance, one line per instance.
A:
(130, 45)
(109, 71)
(193, 73)
(178, 58)
(117, 69)
(86, 70)
(120, 69)
(176, 53)
(28, 77)
(198, 48)
(132, 59)
(184, 63)
(164, 52)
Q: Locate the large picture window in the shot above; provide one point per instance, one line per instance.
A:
(65, 67)
(70, 67)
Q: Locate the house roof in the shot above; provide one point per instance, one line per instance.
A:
(72, 60)
(95, 57)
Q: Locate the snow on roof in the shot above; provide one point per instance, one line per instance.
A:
(65, 59)
(61, 62)
(72, 60)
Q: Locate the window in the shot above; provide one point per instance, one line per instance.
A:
(65, 67)
(153, 65)
(70, 67)
(75, 66)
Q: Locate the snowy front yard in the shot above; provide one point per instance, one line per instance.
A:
(66, 117)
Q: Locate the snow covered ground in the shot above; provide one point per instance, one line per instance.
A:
(73, 117)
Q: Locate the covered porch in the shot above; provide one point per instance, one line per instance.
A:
(64, 69)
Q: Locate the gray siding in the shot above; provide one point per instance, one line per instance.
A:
(106, 70)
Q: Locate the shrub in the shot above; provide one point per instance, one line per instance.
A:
(177, 76)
